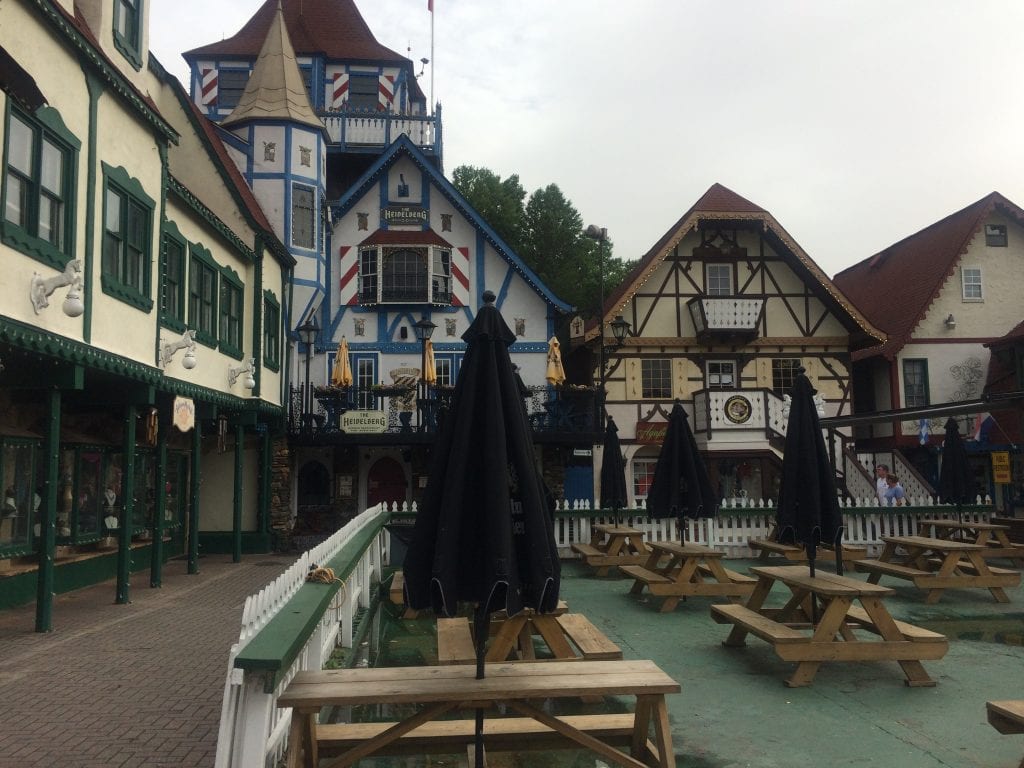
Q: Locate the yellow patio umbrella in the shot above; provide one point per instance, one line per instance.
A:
(341, 374)
(429, 368)
(555, 373)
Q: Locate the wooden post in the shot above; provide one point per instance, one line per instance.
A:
(48, 519)
(156, 563)
(236, 517)
(193, 507)
(124, 549)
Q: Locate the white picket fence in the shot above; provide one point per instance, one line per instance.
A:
(252, 728)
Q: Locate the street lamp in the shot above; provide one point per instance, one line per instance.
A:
(424, 330)
(600, 234)
(308, 333)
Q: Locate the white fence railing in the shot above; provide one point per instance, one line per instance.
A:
(252, 729)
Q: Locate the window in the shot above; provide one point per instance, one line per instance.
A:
(271, 332)
(718, 280)
(307, 80)
(202, 295)
(38, 186)
(643, 474)
(365, 375)
(656, 379)
(447, 367)
(784, 374)
(230, 87)
(441, 279)
(995, 235)
(172, 281)
(404, 275)
(303, 216)
(971, 280)
(363, 91)
(915, 383)
(231, 314)
(128, 30)
(368, 276)
(721, 374)
(127, 231)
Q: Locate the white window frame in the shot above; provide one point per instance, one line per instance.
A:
(707, 374)
(707, 279)
(965, 283)
(648, 463)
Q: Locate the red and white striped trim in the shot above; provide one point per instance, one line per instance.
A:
(385, 91)
(348, 286)
(339, 92)
(207, 86)
(460, 277)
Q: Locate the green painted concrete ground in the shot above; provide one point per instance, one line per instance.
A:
(735, 711)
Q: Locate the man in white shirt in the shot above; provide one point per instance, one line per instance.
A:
(881, 483)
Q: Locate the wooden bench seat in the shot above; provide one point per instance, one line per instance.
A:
(396, 594)
(1006, 716)
(756, 624)
(587, 550)
(797, 554)
(592, 642)
(882, 568)
(455, 641)
(911, 632)
(450, 736)
(734, 576)
(645, 575)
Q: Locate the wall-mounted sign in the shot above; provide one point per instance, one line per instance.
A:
(343, 485)
(1001, 467)
(582, 452)
(404, 214)
(737, 409)
(184, 413)
(651, 432)
(364, 422)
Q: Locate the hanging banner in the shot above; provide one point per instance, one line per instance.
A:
(1001, 467)
(184, 414)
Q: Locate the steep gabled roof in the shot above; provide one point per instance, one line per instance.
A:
(275, 89)
(1014, 336)
(722, 204)
(895, 287)
(404, 146)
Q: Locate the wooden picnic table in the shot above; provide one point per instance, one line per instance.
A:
(522, 688)
(992, 536)
(690, 569)
(612, 545)
(938, 564)
(794, 553)
(565, 636)
(839, 634)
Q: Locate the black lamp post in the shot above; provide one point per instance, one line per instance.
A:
(424, 330)
(308, 333)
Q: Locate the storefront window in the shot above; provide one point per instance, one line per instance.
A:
(145, 492)
(739, 479)
(90, 474)
(113, 502)
(16, 468)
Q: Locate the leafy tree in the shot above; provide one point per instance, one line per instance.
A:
(499, 201)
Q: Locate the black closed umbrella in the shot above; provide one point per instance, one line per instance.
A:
(956, 484)
(613, 472)
(680, 487)
(484, 533)
(808, 512)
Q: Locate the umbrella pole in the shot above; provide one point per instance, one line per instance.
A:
(481, 627)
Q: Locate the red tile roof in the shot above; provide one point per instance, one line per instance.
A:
(332, 27)
(406, 237)
(722, 204)
(895, 287)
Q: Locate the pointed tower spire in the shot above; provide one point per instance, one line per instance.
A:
(275, 89)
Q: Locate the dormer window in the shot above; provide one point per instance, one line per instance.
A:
(405, 268)
(128, 30)
(719, 279)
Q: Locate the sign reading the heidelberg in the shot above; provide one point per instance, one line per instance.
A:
(364, 422)
(404, 214)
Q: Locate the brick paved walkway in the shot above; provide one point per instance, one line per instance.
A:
(121, 686)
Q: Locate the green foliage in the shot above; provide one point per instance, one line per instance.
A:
(547, 233)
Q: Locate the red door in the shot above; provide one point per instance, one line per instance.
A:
(385, 482)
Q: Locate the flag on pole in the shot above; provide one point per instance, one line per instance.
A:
(430, 5)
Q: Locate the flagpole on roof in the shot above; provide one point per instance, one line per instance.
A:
(430, 7)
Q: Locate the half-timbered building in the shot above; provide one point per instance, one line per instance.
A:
(723, 310)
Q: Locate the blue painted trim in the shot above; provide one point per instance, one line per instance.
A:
(468, 313)
(287, 210)
(383, 188)
(503, 291)
(382, 326)
(403, 145)
(425, 198)
(478, 270)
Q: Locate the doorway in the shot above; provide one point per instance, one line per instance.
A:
(385, 482)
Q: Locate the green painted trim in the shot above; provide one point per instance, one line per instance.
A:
(202, 254)
(45, 122)
(170, 231)
(128, 50)
(273, 363)
(127, 509)
(257, 317)
(157, 547)
(279, 643)
(47, 543)
(117, 82)
(128, 186)
(95, 89)
(197, 206)
(195, 481)
(229, 279)
(236, 497)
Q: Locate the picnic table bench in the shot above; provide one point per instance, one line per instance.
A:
(938, 564)
(691, 569)
(612, 545)
(396, 594)
(992, 536)
(1006, 717)
(795, 636)
(794, 553)
(437, 691)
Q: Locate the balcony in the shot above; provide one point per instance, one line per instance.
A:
(737, 415)
(372, 131)
(726, 318)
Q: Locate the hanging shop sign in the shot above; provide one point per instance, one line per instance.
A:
(1001, 467)
(184, 414)
(364, 422)
(651, 432)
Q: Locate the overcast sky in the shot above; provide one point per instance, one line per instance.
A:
(855, 123)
